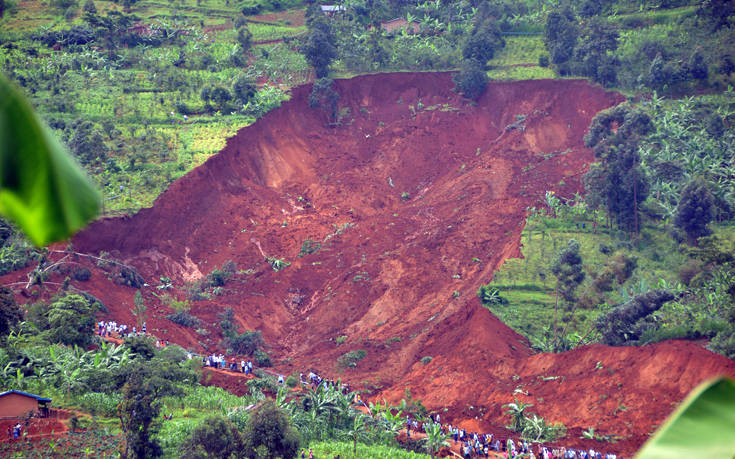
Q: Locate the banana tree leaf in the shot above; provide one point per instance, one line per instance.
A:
(42, 189)
(702, 426)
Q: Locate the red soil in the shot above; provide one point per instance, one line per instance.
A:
(387, 282)
(53, 425)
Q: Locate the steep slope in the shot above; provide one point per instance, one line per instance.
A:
(416, 197)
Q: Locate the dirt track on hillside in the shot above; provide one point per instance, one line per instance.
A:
(418, 194)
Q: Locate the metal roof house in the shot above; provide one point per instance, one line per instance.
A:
(17, 404)
(330, 10)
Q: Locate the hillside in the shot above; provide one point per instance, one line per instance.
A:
(416, 195)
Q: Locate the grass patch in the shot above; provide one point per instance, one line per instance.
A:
(344, 449)
(519, 50)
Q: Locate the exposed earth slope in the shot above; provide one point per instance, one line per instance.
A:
(416, 197)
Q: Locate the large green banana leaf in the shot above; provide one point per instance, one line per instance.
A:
(702, 427)
(42, 189)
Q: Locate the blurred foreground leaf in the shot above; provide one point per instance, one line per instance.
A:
(42, 189)
(702, 426)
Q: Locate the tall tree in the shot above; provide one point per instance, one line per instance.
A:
(618, 182)
(560, 35)
(695, 210)
(595, 54)
(567, 268)
(483, 41)
(319, 47)
(70, 320)
(10, 313)
(146, 382)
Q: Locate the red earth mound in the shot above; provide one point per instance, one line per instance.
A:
(415, 196)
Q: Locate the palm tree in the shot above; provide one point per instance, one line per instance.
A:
(517, 412)
(435, 439)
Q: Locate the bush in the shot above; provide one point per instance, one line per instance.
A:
(184, 319)
(724, 343)
(262, 359)
(244, 343)
(81, 273)
(215, 437)
(471, 80)
(292, 381)
(126, 275)
(350, 359)
(543, 60)
(218, 278)
(308, 247)
(490, 296)
(69, 320)
(426, 359)
(689, 270)
(269, 431)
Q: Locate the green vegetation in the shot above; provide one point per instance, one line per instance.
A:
(350, 359)
(69, 200)
(530, 426)
(344, 449)
(141, 92)
(707, 412)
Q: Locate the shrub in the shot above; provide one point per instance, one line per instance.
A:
(277, 263)
(340, 339)
(471, 79)
(350, 359)
(724, 343)
(308, 247)
(218, 278)
(689, 270)
(269, 432)
(292, 381)
(426, 359)
(490, 296)
(184, 319)
(81, 273)
(244, 343)
(70, 320)
(543, 60)
(262, 359)
(215, 437)
(126, 275)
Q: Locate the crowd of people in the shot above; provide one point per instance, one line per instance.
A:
(15, 432)
(475, 445)
(472, 445)
(112, 329)
(220, 362)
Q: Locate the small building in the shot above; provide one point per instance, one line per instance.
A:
(331, 10)
(17, 404)
(397, 24)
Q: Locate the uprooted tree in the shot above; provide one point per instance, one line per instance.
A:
(626, 323)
